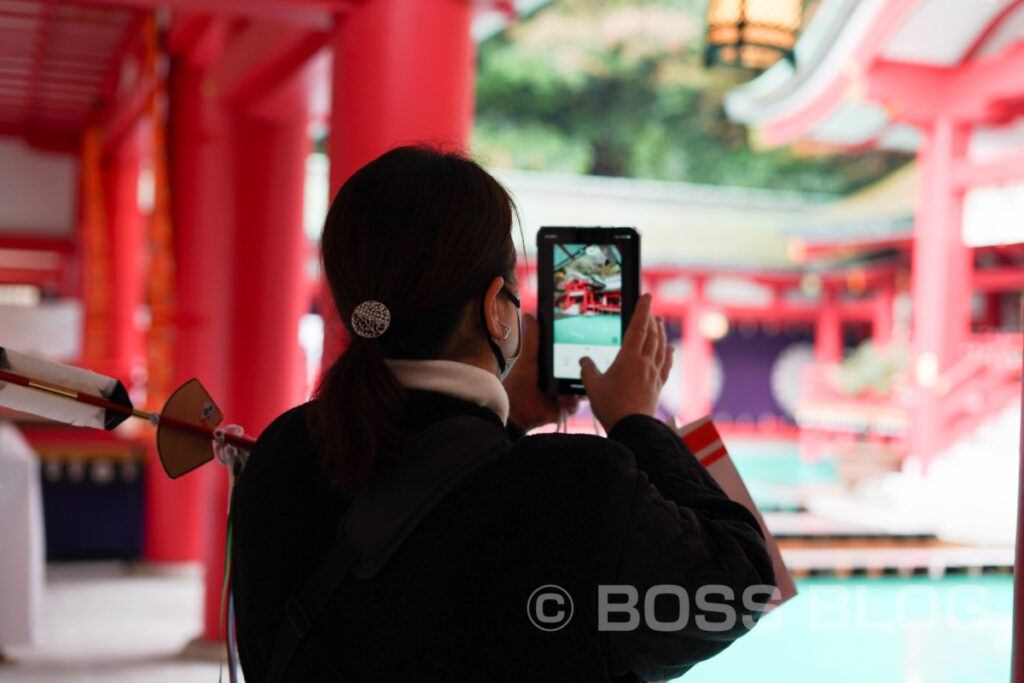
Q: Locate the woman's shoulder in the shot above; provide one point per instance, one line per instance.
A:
(290, 426)
(283, 453)
(575, 444)
(572, 452)
(585, 482)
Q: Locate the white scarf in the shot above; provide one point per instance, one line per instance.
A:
(460, 380)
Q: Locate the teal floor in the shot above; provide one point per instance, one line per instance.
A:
(771, 467)
(885, 630)
(594, 330)
(862, 630)
(778, 462)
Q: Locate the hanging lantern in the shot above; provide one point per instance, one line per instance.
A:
(753, 34)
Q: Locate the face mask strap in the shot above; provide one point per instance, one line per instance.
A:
(495, 349)
(519, 320)
(512, 297)
(490, 341)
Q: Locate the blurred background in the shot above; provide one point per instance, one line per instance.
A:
(830, 195)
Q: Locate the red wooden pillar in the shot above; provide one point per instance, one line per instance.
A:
(94, 253)
(201, 210)
(268, 287)
(127, 237)
(941, 276)
(828, 329)
(698, 356)
(267, 364)
(882, 323)
(172, 528)
(403, 72)
(1017, 661)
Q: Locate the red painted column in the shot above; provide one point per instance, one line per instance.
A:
(93, 240)
(698, 356)
(828, 329)
(992, 314)
(201, 206)
(940, 277)
(127, 238)
(172, 529)
(403, 73)
(1017, 661)
(882, 324)
(267, 363)
(268, 287)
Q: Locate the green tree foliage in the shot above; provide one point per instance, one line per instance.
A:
(618, 87)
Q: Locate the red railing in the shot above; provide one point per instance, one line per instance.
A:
(983, 381)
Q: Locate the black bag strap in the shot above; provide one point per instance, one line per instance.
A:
(379, 519)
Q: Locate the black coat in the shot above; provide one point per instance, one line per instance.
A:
(575, 511)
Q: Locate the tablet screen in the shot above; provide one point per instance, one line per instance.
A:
(587, 289)
(587, 306)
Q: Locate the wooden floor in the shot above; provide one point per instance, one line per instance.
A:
(107, 621)
(813, 545)
(116, 623)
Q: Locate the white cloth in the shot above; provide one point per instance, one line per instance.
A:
(460, 380)
(22, 545)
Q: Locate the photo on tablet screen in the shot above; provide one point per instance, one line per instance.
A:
(587, 304)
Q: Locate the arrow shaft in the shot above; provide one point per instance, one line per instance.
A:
(243, 442)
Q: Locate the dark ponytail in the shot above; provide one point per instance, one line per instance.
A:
(423, 232)
(354, 417)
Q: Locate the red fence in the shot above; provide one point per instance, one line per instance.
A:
(984, 381)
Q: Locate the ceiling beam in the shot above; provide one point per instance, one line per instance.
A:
(53, 82)
(1007, 167)
(30, 240)
(998, 279)
(984, 90)
(119, 117)
(128, 43)
(200, 39)
(55, 138)
(42, 38)
(309, 14)
(260, 58)
(824, 249)
(911, 93)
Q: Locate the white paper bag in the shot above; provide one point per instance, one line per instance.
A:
(703, 440)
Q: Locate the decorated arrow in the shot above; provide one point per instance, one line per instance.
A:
(187, 435)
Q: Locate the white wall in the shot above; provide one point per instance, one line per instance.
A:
(679, 223)
(38, 190)
(51, 330)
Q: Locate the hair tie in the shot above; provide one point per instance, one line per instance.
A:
(370, 319)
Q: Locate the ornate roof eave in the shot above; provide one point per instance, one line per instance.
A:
(494, 16)
(838, 45)
(875, 73)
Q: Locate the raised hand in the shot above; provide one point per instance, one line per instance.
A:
(633, 382)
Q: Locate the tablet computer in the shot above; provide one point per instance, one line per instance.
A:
(588, 281)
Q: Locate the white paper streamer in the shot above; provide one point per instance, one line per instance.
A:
(51, 406)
